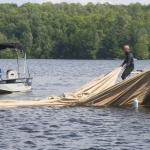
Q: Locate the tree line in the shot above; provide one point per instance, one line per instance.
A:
(75, 31)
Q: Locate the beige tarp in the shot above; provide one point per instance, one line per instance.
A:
(124, 92)
(101, 91)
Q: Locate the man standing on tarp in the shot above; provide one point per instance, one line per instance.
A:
(129, 61)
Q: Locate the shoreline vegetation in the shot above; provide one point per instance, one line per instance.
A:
(76, 31)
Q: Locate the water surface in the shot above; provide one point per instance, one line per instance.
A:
(71, 128)
(54, 77)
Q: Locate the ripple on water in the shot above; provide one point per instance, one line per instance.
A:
(76, 128)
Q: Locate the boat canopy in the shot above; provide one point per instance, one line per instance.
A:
(12, 45)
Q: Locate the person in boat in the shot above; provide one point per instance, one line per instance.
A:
(129, 61)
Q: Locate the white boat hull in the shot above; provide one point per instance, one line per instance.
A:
(8, 87)
(19, 87)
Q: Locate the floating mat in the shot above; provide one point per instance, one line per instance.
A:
(101, 91)
(70, 99)
(123, 93)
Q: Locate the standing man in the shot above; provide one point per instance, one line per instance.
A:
(129, 61)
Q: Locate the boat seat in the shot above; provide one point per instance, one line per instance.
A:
(12, 74)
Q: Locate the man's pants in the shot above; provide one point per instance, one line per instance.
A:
(127, 72)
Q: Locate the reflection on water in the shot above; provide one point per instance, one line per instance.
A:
(71, 128)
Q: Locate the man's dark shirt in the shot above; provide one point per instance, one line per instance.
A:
(129, 60)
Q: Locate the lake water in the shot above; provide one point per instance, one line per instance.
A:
(73, 128)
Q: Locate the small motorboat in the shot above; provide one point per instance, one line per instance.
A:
(13, 81)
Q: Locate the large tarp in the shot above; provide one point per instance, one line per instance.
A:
(101, 91)
(124, 93)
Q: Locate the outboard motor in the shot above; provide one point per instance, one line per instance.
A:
(12, 74)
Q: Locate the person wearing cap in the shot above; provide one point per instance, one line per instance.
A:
(128, 62)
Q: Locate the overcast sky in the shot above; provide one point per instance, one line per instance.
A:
(19, 2)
